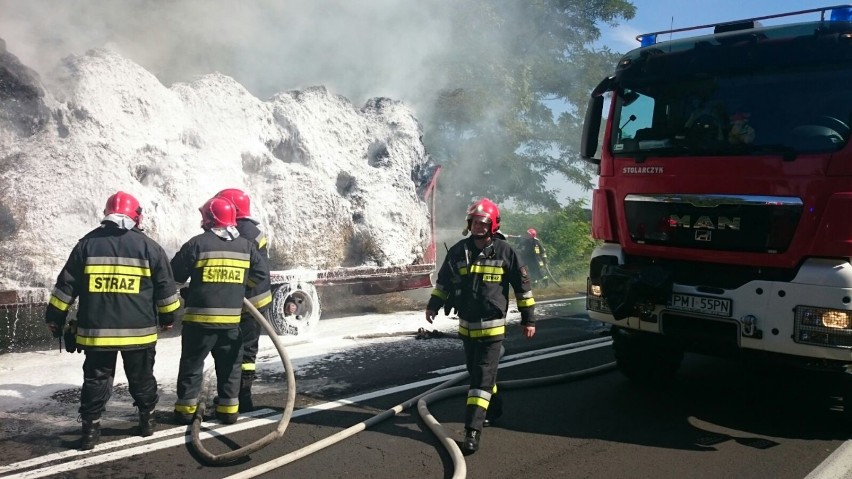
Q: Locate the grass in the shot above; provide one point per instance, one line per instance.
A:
(567, 288)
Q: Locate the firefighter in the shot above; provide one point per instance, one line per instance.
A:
(535, 256)
(223, 268)
(126, 289)
(475, 278)
(250, 330)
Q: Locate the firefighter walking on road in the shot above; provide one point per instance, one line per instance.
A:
(223, 268)
(126, 289)
(475, 278)
(250, 330)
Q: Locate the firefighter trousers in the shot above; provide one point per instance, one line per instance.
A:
(99, 374)
(227, 347)
(250, 331)
(481, 359)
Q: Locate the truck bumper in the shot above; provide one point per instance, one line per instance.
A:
(809, 317)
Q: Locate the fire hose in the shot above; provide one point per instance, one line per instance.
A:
(552, 278)
(422, 400)
(285, 416)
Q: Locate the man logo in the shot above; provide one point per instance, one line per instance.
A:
(703, 235)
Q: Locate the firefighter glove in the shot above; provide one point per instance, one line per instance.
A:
(55, 329)
(70, 336)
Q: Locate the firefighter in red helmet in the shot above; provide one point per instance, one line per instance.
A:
(248, 228)
(126, 290)
(535, 257)
(223, 268)
(475, 278)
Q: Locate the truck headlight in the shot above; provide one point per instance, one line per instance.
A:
(594, 300)
(823, 326)
(835, 319)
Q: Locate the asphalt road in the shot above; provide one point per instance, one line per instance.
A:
(718, 419)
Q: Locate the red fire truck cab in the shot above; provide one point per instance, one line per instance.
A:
(724, 202)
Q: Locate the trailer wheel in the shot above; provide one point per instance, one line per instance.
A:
(645, 358)
(295, 309)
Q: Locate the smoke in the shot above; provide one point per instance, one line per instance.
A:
(398, 49)
(357, 49)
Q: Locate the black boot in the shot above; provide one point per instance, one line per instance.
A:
(471, 441)
(226, 418)
(147, 423)
(494, 411)
(183, 418)
(91, 434)
(246, 403)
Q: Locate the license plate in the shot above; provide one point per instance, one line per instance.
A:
(700, 304)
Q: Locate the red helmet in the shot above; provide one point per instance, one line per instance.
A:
(218, 213)
(532, 233)
(486, 209)
(122, 203)
(240, 199)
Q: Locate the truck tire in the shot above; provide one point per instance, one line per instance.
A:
(644, 358)
(846, 391)
(295, 309)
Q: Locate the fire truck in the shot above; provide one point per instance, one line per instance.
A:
(724, 199)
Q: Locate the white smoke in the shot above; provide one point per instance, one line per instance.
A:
(359, 49)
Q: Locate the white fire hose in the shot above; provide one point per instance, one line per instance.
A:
(285, 416)
(437, 393)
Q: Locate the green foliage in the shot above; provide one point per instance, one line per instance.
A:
(565, 233)
(521, 81)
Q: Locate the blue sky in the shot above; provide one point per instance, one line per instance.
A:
(657, 15)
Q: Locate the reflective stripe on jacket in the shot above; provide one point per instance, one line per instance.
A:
(123, 281)
(221, 274)
(477, 283)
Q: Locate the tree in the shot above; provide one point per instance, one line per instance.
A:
(521, 80)
(565, 233)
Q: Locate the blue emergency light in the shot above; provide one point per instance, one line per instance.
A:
(839, 13)
(647, 40)
(842, 14)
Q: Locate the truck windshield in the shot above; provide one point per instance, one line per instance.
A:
(753, 113)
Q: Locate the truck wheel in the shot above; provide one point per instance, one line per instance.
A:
(846, 381)
(645, 358)
(295, 309)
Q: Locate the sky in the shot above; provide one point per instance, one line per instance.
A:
(656, 15)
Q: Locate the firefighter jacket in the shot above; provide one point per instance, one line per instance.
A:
(534, 250)
(125, 287)
(248, 229)
(477, 284)
(221, 273)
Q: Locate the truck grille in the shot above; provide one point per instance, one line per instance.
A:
(764, 224)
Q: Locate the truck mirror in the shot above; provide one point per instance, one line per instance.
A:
(592, 123)
(591, 130)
